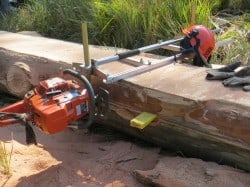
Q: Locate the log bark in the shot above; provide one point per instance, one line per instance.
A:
(195, 117)
(212, 130)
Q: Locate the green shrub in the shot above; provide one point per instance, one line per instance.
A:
(135, 23)
(121, 23)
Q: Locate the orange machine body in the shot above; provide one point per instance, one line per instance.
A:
(55, 103)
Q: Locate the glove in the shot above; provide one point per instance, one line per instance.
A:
(222, 73)
(243, 72)
(237, 81)
(218, 75)
(242, 77)
(246, 88)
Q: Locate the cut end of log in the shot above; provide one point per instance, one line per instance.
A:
(18, 79)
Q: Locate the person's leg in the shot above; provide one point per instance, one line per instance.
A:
(5, 5)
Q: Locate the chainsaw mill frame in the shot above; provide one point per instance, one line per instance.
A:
(141, 66)
(65, 108)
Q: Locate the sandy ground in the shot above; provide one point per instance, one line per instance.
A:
(74, 158)
(105, 158)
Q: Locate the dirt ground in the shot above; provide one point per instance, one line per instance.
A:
(105, 158)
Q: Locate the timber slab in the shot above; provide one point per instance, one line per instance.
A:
(196, 117)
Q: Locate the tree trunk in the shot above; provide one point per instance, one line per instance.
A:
(21, 72)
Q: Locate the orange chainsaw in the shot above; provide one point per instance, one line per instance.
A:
(54, 105)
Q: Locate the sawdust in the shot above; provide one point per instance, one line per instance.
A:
(83, 158)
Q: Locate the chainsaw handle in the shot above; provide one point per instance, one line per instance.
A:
(91, 93)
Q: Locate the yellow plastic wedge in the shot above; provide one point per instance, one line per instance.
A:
(142, 120)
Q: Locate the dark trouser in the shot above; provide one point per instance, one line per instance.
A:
(5, 5)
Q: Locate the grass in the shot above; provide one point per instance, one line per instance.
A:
(5, 158)
(119, 23)
(239, 49)
(136, 23)
(57, 19)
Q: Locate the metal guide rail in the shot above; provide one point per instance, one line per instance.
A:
(142, 67)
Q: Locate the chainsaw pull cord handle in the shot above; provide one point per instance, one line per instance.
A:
(91, 93)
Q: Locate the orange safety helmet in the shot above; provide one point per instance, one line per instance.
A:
(201, 39)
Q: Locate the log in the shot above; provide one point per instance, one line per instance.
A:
(195, 117)
(17, 79)
(25, 64)
(214, 130)
(20, 72)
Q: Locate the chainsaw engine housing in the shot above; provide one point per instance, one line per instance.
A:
(55, 102)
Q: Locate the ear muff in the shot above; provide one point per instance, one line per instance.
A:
(201, 39)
